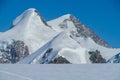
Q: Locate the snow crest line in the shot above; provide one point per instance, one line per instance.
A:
(13, 74)
(31, 57)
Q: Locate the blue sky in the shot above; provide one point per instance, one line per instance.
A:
(102, 16)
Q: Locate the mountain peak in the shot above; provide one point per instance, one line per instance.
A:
(67, 15)
(67, 41)
(72, 25)
(29, 15)
(31, 9)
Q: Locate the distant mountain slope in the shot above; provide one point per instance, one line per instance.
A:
(75, 28)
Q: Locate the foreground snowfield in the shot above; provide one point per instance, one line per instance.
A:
(59, 72)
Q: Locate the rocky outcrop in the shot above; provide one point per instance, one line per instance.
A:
(12, 52)
(83, 31)
(114, 59)
(42, 19)
(95, 57)
(60, 60)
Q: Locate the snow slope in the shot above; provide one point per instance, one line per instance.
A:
(30, 28)
(88, 43)
(56, 24)
(12, 76)
(75, 56)
(69, 49)
(41, 51)
(74, 27)
(65, 47)
(64, 24)
(60, 72)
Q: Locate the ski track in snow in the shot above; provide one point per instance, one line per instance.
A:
(13, 74)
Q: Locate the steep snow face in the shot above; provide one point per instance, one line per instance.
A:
(75, 56)
(51, 50)
(70, 50)
(62, 24)
(83, 35)
(30, 14)
(30, 28)
(63, 45)
(88, 43)
(64, 41)
(75, 28)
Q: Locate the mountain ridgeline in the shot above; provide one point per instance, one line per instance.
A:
(64, 40)
(83, 31)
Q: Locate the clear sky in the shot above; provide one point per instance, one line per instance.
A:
(102, 16)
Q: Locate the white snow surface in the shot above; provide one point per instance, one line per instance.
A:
(66, 48)
(60, 72)
(56, 22)
(75, 56)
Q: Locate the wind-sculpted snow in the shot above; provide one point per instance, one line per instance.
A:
(30, 58)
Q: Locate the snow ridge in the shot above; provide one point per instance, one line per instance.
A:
(30, 58)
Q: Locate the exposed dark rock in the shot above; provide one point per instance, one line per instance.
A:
(47, 53)
(83, 31)
(45, 56)
(13, 52)
(60, 60)
(95, 57)
(114, 59)
(49, 50)
(11, 27)
(43, 20)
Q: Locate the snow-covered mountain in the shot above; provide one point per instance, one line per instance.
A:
(71, 25)
(62, 40)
